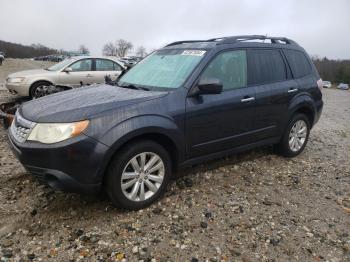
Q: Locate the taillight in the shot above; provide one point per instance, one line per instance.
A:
(320, 84)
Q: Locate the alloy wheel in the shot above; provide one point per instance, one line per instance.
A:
(142, 176)
(40, 91)
(297, 135)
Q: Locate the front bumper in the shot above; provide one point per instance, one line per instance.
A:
(73, 165)
(18, 89)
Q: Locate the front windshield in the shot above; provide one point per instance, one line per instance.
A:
(60, 65)
(163, 69)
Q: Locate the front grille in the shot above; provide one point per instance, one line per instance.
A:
(21, 128)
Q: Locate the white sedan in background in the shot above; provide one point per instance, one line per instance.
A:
(327, 84)
(73, 72)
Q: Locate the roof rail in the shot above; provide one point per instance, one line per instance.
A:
(238, 38)
(242, 38)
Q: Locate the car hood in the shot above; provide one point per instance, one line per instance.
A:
(31, 73)
(83, 103)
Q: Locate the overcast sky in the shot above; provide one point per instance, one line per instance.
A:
(322, 27)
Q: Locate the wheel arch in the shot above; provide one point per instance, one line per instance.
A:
(305, 105)
(308, 112)
(158, 137)
(36, 82)
(160, 129)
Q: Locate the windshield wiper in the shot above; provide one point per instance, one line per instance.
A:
(131, 86)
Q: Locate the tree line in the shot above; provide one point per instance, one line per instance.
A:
(14, 50)
(119, 48)
(22, 51)
(336, 71)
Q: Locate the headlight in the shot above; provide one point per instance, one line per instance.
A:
(53, 133)
(16, 80)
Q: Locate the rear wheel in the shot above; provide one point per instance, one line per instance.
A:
(138, 175)
(295, 137)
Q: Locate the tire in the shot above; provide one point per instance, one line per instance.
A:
(122, 172)
(286, 146)
(34, 87)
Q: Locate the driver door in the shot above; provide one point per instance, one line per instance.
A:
(217, 122)
(82, 74)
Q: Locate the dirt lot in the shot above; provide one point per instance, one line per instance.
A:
(255, 206)
(14, 65)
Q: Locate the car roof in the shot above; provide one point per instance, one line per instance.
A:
(101, 57)
(115, 59)
(236, 41)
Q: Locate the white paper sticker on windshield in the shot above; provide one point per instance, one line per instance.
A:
(193, 52)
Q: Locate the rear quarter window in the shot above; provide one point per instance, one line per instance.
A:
(298, 62)
(265, 66)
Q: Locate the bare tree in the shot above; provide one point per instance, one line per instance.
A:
(83, 50)
(141, 51)
(109, 49)
(123, 47)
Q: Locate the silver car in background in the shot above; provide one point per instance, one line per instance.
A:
(327, 84)
(2, 57)
(73, 72)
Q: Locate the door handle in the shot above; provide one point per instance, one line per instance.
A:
(88, 75)
(248, 99)
(293, 90)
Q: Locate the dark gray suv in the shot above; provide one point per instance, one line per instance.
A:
(186, 103)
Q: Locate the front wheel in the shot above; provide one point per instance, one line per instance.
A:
(295, 136)
(138, 175)
(38, 89)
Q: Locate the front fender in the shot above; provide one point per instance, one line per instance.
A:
(40, 79)
(140, 125)
(119, 134)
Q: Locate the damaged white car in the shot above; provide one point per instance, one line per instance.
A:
(72, 72)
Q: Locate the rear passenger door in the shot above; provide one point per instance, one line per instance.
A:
(106, 67)
(302, 70)
(271, 78)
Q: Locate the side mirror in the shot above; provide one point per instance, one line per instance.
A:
(208, 86)
(68, 70)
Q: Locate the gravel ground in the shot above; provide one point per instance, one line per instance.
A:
(254, 206)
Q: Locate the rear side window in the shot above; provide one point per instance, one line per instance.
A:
(265, 66)
(230, 67)
(298, 62)
(106, 65)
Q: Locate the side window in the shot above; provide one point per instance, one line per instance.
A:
(82, 65)
(230, 67)
(298, 62)
(117, 67)
(265, 66)
(106, 65)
